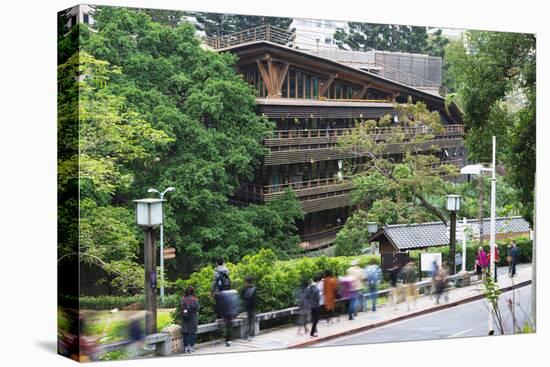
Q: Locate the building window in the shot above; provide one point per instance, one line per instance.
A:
(86, 18)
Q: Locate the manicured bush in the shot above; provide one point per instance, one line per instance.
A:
(110, 302)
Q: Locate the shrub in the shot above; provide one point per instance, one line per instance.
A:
(110, 302)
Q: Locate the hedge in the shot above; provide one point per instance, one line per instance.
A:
(110, 302)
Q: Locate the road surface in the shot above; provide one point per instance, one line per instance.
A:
(467, 320)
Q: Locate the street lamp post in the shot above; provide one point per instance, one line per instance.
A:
(372, 227)
(161, 196)
(453, 205)
(149, 216)
(477, 169)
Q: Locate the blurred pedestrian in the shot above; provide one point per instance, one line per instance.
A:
(394, 278)
(249, 297)
(355, 276)
(303, 307)
(433, 274)
(497, 259)
(314, 299)
(441, 282)
(189, 308)
(513, 255)
(481, 261)
(408, 274)
(136, 336)
(373, 274)
(330, 286)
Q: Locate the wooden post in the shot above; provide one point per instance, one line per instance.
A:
(149, 254)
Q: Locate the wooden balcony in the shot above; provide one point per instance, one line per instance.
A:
(319, 239)
(302, 146)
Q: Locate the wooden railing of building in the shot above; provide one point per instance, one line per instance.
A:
(320, 133)
(266, 32)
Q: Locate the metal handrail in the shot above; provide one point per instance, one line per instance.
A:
(265, 32)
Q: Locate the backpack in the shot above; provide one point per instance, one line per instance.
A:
(186, 309)
(223, 282)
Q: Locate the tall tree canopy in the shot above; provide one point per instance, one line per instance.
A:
(495, 77)
(383, 37)
(167, 113)
(217, 24)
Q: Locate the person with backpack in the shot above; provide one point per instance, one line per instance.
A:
(249, 297)
(189, 309)
(226, 299)
(314, 299)
(221, 283)
(373, 274)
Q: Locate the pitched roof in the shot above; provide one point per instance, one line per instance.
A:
(502, 224)
(433, 234)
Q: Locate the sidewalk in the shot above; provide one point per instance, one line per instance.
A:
(286, 336)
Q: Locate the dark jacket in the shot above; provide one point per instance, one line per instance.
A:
(514, 253)
(190, 325)
(313, 295)
(249, 297)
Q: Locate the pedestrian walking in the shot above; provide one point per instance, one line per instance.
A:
(355, 276)
(314, 299)
(441, 282)
(481, 262)
(373, 274)
(249, 297)
(408, 274)
(330, 287)
(394, 277)
(497, 259)
(303, 307)
(321, 287)
(189, 308)
(433, 274)
(513, 255)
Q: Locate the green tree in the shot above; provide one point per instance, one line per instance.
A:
(496, 67)
(397, 188)
(384, 37)
(197, 99)
(218, 24)
(100, 137)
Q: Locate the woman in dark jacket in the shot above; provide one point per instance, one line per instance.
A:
(189, 307)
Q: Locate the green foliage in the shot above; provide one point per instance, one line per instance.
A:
(217, 24)
(111, 302)
(352, 238)
(497, 68)
(384, 37)
(204, 106)
(396, 189)
(276, 280)
(143, 105)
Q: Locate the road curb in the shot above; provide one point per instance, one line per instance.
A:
(402, 317)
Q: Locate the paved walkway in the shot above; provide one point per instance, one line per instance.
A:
(286, 337)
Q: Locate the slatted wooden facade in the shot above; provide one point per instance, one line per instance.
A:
(266, 66)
